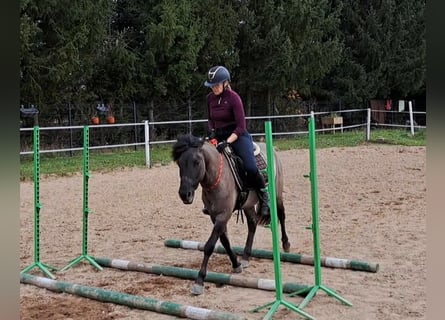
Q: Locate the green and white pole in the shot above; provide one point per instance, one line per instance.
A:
(274, 305)
(37, 206)
(190, 274)
(330, 262)
(311, 291)
(86, 209)
(139, 302)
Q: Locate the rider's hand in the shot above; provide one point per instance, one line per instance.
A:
(222, 145)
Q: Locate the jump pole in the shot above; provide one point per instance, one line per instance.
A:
(128, 300)
(311, 291)
(279, 300)
(37, 206)
(86, 209)
(331, 262)
(190, 274)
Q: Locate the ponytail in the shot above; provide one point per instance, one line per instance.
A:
(227, 85)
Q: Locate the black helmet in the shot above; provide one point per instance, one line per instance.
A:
(217, 75)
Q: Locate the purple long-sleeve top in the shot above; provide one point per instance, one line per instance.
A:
(225, 110)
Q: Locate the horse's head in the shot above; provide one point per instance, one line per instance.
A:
(188, 156)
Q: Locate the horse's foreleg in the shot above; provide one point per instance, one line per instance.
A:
(236, 266)
(251, 227)
(282, 217)
(218, 229)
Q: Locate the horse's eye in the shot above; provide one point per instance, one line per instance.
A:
(196, 163)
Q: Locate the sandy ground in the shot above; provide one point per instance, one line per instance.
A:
(372, 208)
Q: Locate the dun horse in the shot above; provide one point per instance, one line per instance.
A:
(201, 164)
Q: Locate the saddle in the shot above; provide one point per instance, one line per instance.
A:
(237, 167)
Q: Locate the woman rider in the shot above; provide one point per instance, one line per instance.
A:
(227, 123)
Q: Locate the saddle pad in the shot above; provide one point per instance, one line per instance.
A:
(259, 157)
(260, 161)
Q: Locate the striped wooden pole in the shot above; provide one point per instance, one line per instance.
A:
(284, 256)
(128, 300)
(184, 273)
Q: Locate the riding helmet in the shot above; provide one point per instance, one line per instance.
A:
(216, 74)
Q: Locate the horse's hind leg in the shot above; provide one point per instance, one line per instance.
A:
(218, 229)
(251, 226)
(236, 266)
(282, 217)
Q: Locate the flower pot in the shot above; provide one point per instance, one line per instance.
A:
(111, 120)
(95, 120)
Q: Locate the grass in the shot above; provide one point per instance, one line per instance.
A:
(354, 138)
(63, 165)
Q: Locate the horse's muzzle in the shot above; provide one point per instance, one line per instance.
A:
(186, 196)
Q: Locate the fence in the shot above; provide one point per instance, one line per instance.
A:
(68, 139)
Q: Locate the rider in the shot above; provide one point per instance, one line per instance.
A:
(227, 123)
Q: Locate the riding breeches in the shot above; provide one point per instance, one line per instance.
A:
(244, 149)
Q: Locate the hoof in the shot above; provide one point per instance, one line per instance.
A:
(197, 289)
(244, 263)
(238, 269)
(286, 247)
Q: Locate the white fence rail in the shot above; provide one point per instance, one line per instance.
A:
(358, 118)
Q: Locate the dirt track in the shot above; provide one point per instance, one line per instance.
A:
(372, 208)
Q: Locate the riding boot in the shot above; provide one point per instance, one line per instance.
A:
(259, 185)
(263, 197)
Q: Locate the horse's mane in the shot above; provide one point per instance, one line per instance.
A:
(185, 142)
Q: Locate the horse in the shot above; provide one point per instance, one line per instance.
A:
(200, 163)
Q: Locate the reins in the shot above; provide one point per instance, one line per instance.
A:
(218, 179)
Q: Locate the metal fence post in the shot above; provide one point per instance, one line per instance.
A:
(147, 144)
(411, 118)
(368, 125)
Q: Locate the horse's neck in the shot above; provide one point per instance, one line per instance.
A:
(214, 173)
(211, 160)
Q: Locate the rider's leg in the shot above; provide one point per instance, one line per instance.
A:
(243, 148)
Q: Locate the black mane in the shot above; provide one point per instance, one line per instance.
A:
(185, 142)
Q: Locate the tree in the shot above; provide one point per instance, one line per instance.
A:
(287, 45)
(59, 48)
(407, 64)
(385, 51)
(157, 52)
(173, 43)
